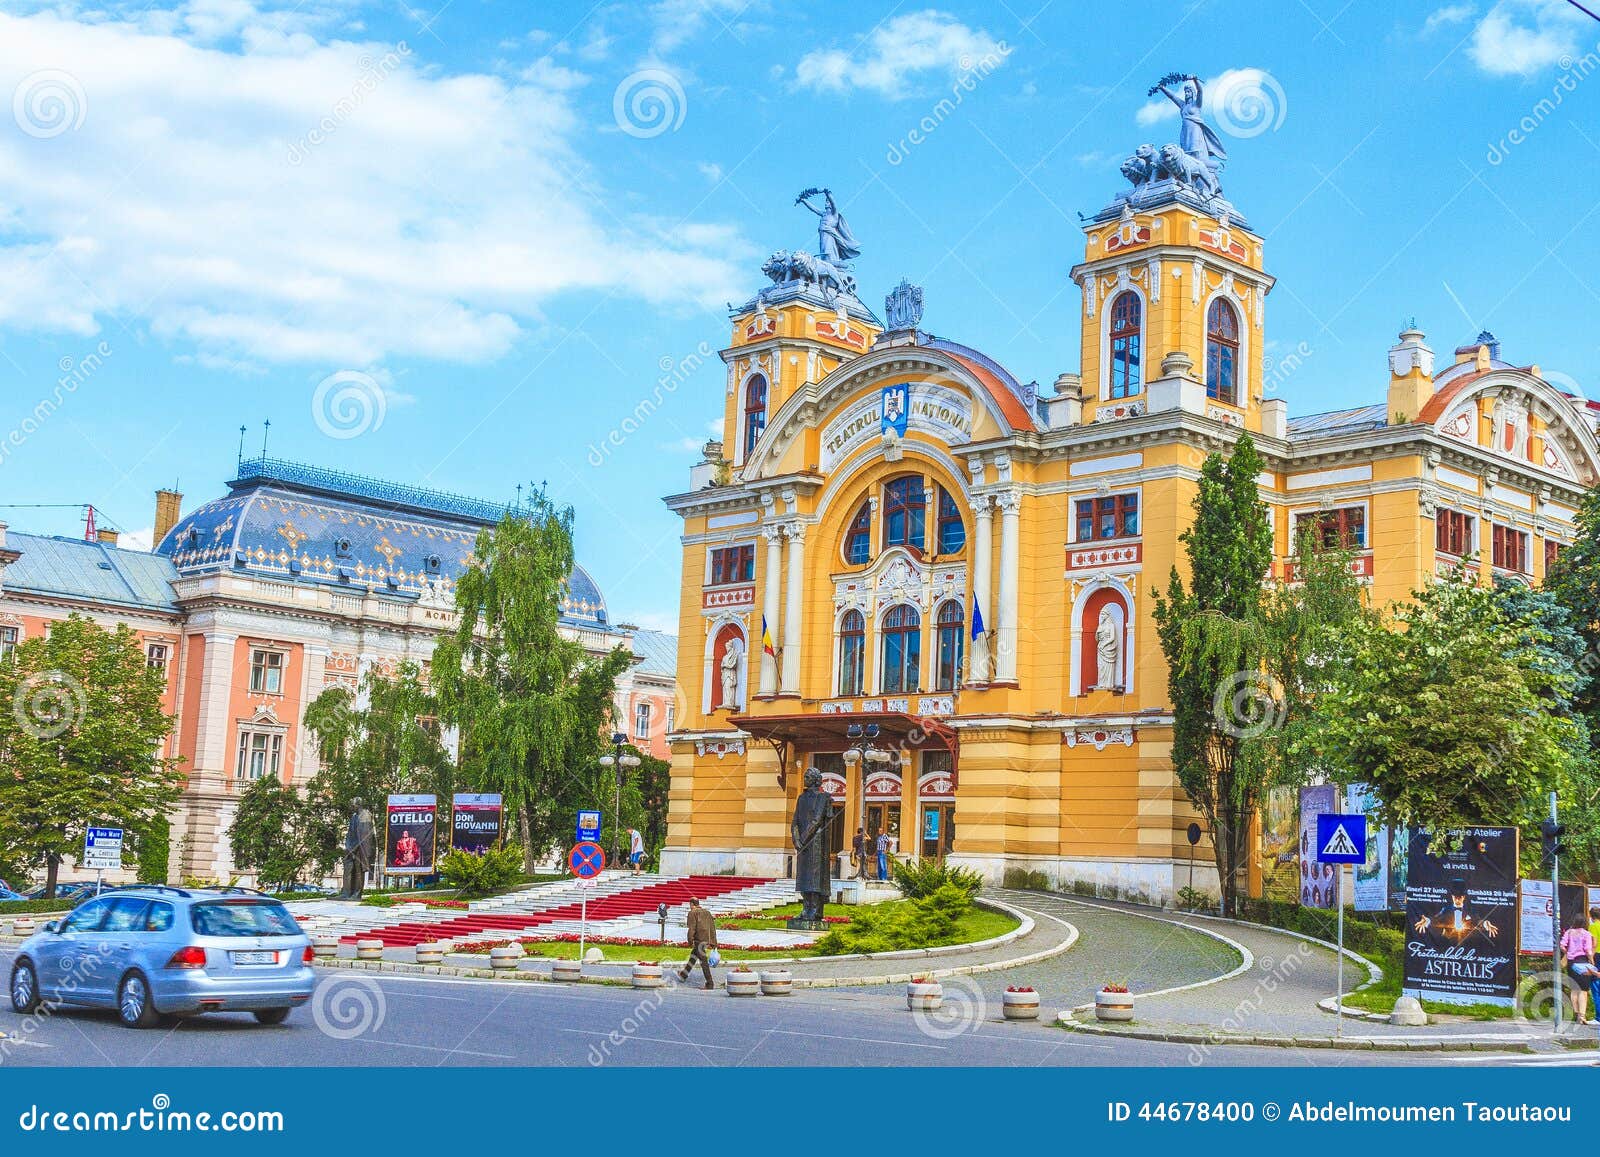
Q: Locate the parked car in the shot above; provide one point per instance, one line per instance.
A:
(65, 890)
(7, 894)
(150, 951)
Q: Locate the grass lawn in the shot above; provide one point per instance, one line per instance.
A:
(1381, 997)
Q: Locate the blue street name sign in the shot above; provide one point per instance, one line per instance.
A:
(589, 827)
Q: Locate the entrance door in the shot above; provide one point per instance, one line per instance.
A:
(836, 831)
(883, 817)
(938, 830)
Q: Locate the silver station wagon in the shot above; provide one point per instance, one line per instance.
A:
(151, 951)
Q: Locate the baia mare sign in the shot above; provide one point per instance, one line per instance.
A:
(1461, 918)
(940, 411)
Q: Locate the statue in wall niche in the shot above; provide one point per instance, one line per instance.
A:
(730, 675)
(813, 812)
(358, 850)
(1108, 651)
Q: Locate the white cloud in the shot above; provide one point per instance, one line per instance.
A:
(142, 539)
(299, 199)
(900, 52)
(710, 170)
(665, 622)
(1522, 37)
(1445, 17)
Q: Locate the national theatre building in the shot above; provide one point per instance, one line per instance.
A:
(933, 581)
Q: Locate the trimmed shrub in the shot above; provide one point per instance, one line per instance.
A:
(920, 878)
(922, 923)
(477, 875)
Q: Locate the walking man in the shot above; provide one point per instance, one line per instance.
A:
(702, 939)
(635, 850)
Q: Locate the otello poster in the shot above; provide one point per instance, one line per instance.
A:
(409, 835)
(475, 822)
(1461, 918)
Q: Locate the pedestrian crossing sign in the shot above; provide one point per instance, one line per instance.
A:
(1341, 839)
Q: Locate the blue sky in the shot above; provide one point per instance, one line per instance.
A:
(456, 245)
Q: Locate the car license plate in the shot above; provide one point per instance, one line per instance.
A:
(255, 958)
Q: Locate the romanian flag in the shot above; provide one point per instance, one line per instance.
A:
(977, 618)
(766, 638)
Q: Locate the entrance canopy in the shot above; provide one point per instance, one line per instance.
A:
(814, 732)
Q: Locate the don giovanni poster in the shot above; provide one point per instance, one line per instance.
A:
(475, 822)
(408, 836)
(1461, 918)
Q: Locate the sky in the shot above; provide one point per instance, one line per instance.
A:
(456, 245)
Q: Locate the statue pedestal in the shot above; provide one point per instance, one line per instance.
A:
(801, 924)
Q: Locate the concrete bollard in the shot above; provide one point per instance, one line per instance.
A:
(324, 945)
(567, 971)
(430, 954)
(1020, 1004)
(742, 982)
(369, 949)
(777, 982)
(1408, 1011)
(648, 975)
(23, 926)
(504, 958)
(926, 995)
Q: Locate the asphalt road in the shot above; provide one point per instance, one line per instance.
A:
(367, 1019)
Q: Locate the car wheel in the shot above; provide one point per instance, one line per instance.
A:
(24, 987)
(135, 1008)
(272, 1015)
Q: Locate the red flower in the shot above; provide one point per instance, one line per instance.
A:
(1115, 988)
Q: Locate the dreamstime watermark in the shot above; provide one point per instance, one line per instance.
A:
(962, 1009)
(74, 373)
(159, 1117)
(1573, 73)
(348, 404)
(373, 73)
(973, 71)
(345, 1007)
(648, 103)
(633, 1021)
(48, 704)
(1248, 103)
(48, 103)
(1248, 704)
(674, 372)
(1277, 973)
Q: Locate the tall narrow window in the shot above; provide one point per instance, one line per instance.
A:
(1127, 316)
(9, 637)
(852, 653)
(858, 544)
(905, 506)
(755, 412)
(260, 754)
(952, 533)
(950, 639)
(1453, 532)
(1510, 549)
(641, 721)
(902, 650)
(1222, 352)
(266, 672)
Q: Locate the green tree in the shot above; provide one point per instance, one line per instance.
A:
(1574, 583)
(277, 834)
(532, 707)
(1455, 707)
(80, 739)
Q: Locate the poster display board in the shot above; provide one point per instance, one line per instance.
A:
(1537, 931)
(1316, 879)
(476, 822)
(1461, 918)
(408, 835)
(1371, 876)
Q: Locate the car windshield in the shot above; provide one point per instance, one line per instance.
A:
(243, 918)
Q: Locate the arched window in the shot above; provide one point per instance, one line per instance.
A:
(951, 638)
(952, 534)
(852, 653)
(905, 506)
(1222, 352)
(755, 412)
(902, 650)
(1127, 315)
(858, 541)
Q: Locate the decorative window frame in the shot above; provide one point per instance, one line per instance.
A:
(742, 415)
(731, 544)
(252, 650)
(1124, 285)
(1245, 379)
(868, 665)
(876, 636)
(1328, 506)
(1136, 490)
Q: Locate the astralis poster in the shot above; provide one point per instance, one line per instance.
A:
(1461, 918)
(409, 835)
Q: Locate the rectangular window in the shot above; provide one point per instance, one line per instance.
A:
(1552, 552)
(260, 754)
(1341, 529)
(1510, 549)
(1452, 533)
(671, 719)
(733, 564)
(1114, 516)
(155, 657)
(641, 721)
(266, 672)
(9, 637)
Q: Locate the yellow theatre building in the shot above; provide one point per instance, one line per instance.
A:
(879, 488)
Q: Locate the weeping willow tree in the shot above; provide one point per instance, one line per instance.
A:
(532, 706)
(1244, 653)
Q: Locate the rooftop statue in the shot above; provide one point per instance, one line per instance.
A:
(1195, 137)
(1191, 166)
(835, 243)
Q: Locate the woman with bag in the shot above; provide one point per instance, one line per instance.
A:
(1577, 957)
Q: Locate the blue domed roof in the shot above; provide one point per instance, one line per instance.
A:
(302, 523)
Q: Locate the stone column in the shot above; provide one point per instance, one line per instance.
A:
(770, 579)
(794, 595)
(910, 821)
(214, 731)
(1010, 504)
(982, 549)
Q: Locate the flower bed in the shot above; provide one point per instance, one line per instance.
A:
(531, 944)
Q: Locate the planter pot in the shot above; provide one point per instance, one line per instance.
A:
(324, 945)
(504, 958)
(1021, 1006)
(369, 949)
(777, 982)
(743, 984)
(567, 970)
(1113, 1006)
(926, 995)
(23, 926)
(649, 976)
(430, 954)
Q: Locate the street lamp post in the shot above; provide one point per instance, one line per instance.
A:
(864, 752)
(621, 761)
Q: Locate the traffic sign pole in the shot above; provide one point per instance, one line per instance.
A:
(583, 917)
(1341, 840)
(1555, 923)
(1338, 996)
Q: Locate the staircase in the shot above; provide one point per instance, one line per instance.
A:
(611, 897)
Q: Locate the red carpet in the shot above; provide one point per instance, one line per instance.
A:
(638, 902)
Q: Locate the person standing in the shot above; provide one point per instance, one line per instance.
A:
(702, 939)
(883, 855)
(1577, 958)
(859, 850)
(636, 850)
